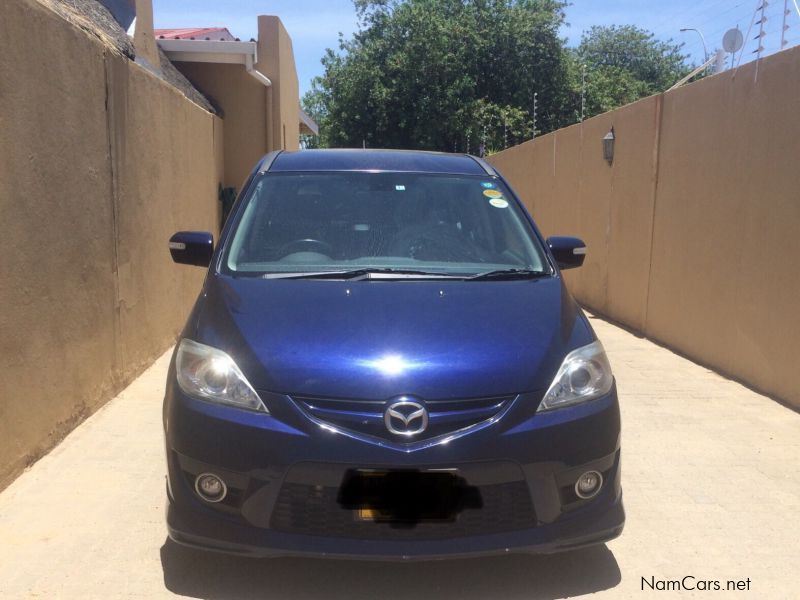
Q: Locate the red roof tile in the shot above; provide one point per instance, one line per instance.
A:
(196, 33)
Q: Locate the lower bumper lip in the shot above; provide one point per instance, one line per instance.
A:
(597, 527)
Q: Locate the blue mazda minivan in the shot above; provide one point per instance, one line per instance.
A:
(384, 362)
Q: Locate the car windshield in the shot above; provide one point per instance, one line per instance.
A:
(447, 225)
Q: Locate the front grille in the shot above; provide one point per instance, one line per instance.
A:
(314, 510)
(366, 416)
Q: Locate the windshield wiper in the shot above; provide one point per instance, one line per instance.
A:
(506, 274)
(359, 274)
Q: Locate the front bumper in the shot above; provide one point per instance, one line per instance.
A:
(282, 475)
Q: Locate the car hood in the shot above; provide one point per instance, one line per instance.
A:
(379, 339)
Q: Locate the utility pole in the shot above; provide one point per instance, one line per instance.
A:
(505, 131)
(583, 92)
(535, 107)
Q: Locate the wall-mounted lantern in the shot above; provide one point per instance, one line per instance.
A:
(608, 146)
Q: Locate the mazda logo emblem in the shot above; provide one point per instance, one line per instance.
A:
(406, 417)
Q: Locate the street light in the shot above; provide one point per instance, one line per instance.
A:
(702, 39)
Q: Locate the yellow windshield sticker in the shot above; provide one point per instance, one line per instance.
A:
(492, 194)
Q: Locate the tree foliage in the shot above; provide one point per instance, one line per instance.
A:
(447, 74)
(624, 64)
(437, 73)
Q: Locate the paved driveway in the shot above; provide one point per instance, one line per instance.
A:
(710, 473)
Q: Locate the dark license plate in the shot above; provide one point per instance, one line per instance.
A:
(406, 497)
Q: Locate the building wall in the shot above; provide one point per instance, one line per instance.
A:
(100, 162)
(258, 119)
(243, 103)
(693, 231)
(276, 61)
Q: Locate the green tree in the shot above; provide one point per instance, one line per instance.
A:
(442, 74)
(624, 64)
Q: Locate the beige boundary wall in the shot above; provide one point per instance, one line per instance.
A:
(100, 162)
(694, 232)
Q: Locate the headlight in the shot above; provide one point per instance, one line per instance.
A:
(584, 375)
(210, 374)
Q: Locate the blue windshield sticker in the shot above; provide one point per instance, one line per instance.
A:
(488, 185)
(400, 188)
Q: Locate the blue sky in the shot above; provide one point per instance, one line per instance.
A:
(315, 24)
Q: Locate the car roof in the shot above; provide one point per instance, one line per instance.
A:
(397, 161)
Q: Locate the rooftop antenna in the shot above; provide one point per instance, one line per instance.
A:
(732, 42)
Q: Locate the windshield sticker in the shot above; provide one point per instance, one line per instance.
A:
(400, 188)
(499, 202)
(492, 194)
(488, 185)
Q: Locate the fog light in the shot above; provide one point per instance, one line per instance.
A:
(588, 484)
(210, 487)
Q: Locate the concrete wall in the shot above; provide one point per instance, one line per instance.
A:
(694, 231)
(100, 162)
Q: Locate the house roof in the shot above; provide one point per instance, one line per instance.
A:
(94, 17)
(307, 125)
(195, 33)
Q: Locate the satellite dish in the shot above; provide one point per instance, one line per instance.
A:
(733, 40)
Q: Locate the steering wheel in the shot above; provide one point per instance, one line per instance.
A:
(299, 245)
(436, 242)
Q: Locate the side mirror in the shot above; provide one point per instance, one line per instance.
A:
(192, 248)
(569, 252)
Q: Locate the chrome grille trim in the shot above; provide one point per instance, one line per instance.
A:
(407, 447)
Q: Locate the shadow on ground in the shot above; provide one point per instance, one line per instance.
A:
(200, 574)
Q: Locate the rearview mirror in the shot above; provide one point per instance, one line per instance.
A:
(569, 252)
(192, 248)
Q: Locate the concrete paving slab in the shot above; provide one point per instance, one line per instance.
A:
(709, 474)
